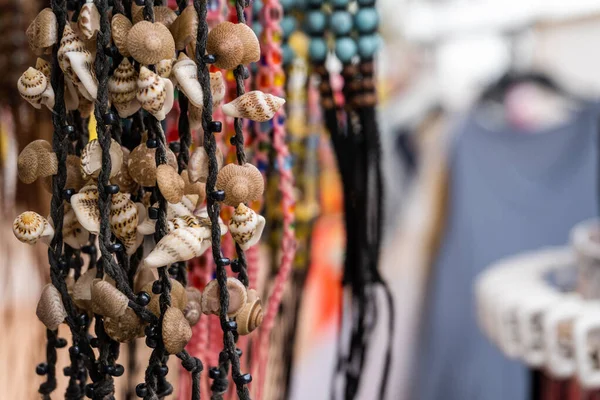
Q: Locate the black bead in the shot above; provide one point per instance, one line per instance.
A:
(223, 262)
(140, 2)
(109, 369)
(60, 343)
(112, 189)
(162, 370)
(239, 352)
(67, 193)
(231, 326)
(119, 370)
(215, 126)
(83, 320)
(235, 266)
(115, 247)
(214, 373)
(41, 369)
(110, 118)
(151, 342)
(151, 330)
(245, 72)
(74, 350)
(69, 129)
(233, 140)
(89, 390)
(142, 299)
(153, 213)
(157, 287)
(209, 59)
(63, 265)
(67, 371)
(243, 379)
(217, 195)
(175, 147)
(141, 390)
(151, 143)
(95, 343)
(173, 270)
(88, 249)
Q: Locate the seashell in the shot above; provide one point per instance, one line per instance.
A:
(89, 20)
(179, 297)
(250, 42)
(122, 89)
(195, 117)
(91, 159)
(143, 278)
(82, 290)
(170, 184)
(85, 106)
(252, 295)
(189, 221)
(185, 72)
(42, 33)
(36, 160)
(185, 28)
(225, 44)
(162, 14)
(120, 26)
(122, 178)
(124, 221)
(155, 94)
(108, 300)
(71, 95)
(255, 105)
(77, 62)
(125, 328)
(192, 312)
(211, 297)
(36, 89)
(165, 67)
(217, 87)
(250, 317)
(73, 233)
(85, 206)
(197, 188)
(74, 179)
(241, 183)
(181, 210)
(181, 244)
(202, 215)
(246, 226)
(193, 294)
(198, 164)
(142, 164)
(50, 308)
(148, 42)
(43, 66)
(176, 331)
(29, 227)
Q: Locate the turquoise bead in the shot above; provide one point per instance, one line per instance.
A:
(366, 20)
(315, 22)
(341, 23)
(257, 6)
(317, 49)
(288, 54)
(365, 3)
(286, 4)
(288, 25)
(257, 28)
(345, 49)
(339, 3)
(367, 46)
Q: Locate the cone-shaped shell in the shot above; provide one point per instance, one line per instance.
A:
(144, 277)
(193, 312)
(170, 184)
(255, 105)
(181, 244)
(155, 94)
(226, 45)
(108, 300)
(250, 317)
(85, 206)
(162, 14)
(42, 33)
(73, 233)
(142, 164)
(29, 227)
(122, 89)
(149, 42)
(185, 28)
(198, 165)
(186, 74)
(179, 297)
(176, 331)
(120, 27)
(43, 66)
(211, 297)
(165, 67)
(91, 158)
(89, 20)
(50, 308)
(217, 87)
(197, 188)
(124, 221)
(76, 61)
(124, 328)
(32, 84)
(122, 178)
(241, 183)
(36, 160)
(246, 226)
(188, 221)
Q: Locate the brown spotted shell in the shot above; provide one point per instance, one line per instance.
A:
(176, 330)
(124, 328)
(89, 20)
(142, 164)
(108, 300)
(178, 297)
(120, 27)
(50, 309)
(36, 160)
(29, 227)
(170, 184)
(164, 67)
(250, 317)
(211, 297)
(148, 42)
(241, 183)
(255, 105)
(91, 159)
(43, 66)
(42, 33)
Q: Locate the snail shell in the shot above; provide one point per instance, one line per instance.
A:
(193, 294)
(155, 94)
(42, 33)
(185, 72)
(89, 20)
(125, 328)
(36, 160)
(185, 28)
(73, 233)
(188, 221)
(197, 188)
(77, 62)
(124, 221)
(211, 297)
(217, 87)
(148, 42)
(43, 66)
(120, 26)
(250, 317)
(241, 183)
(91, 159)
(179, 297)
(50, 308)
(122, 89)
(85, 206)
(195, 116)
(176, 330)
(108, 300)
(36, 89)
(142, 164)
(122, 178)
(198, 164)
(183, 210)
(181, 244)
(170, 184)
(165, 67)
(29, 227)
(255, 105)
(193, 312)
(246, 226)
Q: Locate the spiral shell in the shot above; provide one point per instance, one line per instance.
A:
(165, 67)
(198, 164)
(108, 300)
(246, 226)
(142, 164)
(124, 221)
(193, 312)
(85, 206)
(197, 188)
(176, 331)
(179, 297)
(91, 159)
(241, 183)
(36, 89)
(36, 160)
(255, 105)
(217, 87)
(185, 72)
(122, 89)
(187, 221)
(170, 184)
(181, 244)
(250, 317)
(125, 328)
(50, 309)
(155, 94)
(43, 66)
(185, 28)
(232, 45)
(77, 63)
(42, 33)
(148, 42)
(89, 20)
(29, 227)
(211, 297)
(120, 26)
(162, 14)
(73, 233)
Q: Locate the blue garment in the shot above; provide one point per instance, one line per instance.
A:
(509, 192)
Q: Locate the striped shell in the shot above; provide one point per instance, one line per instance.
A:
(85, 206)
(36, 160)
(122, 89)
(77, 63)
(176, 330)
(29, 227)
(89, 20)
(50, 308)
(43, 66)
(35, 88)
(241, 183)
(211, 303)
(255, 105)
(91, 159)
(181, 244)
(42, 33)
(246, 226)
(120, 26)
(124, 221)
(155, 94)
(73, 233)
(250, 317)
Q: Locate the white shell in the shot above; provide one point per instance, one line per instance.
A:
(73, 233)
(185, 72)
(36, 89)
(77, 62)
(155, 94)
(255, 105)
(91, 159)
(165, 67)
(198, 164)
(182, 209)
(179, 245)
(246, 226)
(202, 213)
(89, 20)
(85, 206)
(122, 89)
(29, 227)
(124, 221)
